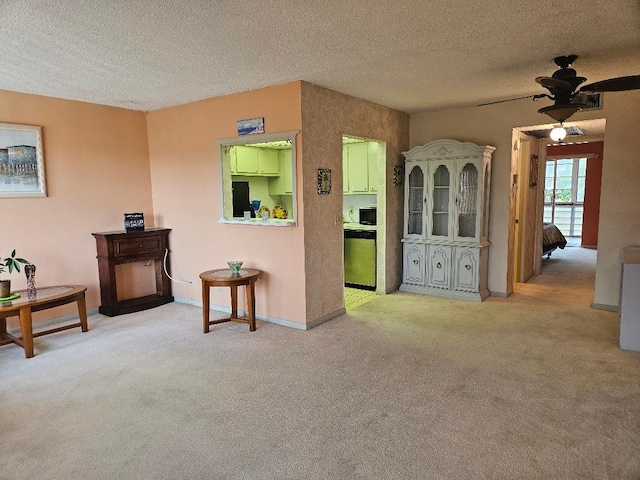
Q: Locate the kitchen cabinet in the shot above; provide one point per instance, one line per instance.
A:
(283, 183)
(252, 161)
(244, 160)
(372, 160)
(447, 185)
(345, 169)
(356, 162)
(268, 162)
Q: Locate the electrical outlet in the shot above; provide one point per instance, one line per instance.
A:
(351, 210)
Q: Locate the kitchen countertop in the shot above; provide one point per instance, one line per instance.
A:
(272, 222)
(359, 226)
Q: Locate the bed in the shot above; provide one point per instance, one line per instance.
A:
(552, 238)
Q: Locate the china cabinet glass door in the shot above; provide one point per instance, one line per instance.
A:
(415, 201)
(467, 201)
(440, 204)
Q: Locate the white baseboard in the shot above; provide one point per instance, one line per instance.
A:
(499, 294)
(264, 318)
(604, 306)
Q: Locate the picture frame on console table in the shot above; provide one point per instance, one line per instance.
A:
(21, 161)
(134, 222)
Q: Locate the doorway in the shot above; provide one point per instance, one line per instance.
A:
(364, 214)
(575, 185)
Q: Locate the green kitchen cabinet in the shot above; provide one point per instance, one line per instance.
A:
(268, 162)
(345, 169)
(244, 160)
(253, 161)
(373, 166)
(283, 183)
(357, 167)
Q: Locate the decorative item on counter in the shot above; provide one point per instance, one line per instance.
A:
(324, 181)
(255, 206)
(279, 212)
(30, 272)
(264, 213)
(234, 266)
(247, 214)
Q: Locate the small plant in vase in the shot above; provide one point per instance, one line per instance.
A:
(10, 263)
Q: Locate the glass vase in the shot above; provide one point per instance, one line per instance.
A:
(30, 272)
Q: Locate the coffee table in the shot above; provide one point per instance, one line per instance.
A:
(47, 297)
(223, 277)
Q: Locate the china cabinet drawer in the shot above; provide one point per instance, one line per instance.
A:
(136, 246)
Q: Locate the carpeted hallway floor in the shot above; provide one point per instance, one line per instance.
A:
(402, 387)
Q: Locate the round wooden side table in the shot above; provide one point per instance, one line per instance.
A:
(223, 277)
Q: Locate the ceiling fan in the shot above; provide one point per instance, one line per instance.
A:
(563, 84)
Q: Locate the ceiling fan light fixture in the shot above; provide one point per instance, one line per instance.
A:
(561, 112)
(558, 134)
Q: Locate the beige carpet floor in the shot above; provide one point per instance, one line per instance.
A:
(402, 387)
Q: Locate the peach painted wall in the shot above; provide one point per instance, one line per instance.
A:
(97, 168)
(326, 116)
(591, 216)
(620, 195)
(186, 198)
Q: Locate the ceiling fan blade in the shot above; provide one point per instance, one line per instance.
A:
(502, 101)
(619, 84)
(554, 84)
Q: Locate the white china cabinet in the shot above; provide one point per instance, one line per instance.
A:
(446, 219)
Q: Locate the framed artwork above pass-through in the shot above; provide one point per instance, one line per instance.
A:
(21, 161)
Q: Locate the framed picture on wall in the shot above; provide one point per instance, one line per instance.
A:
(21, 161)
(533, 172)
(324, 181)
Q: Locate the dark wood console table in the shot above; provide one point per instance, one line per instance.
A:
(116, 248)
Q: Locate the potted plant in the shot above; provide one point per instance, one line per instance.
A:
(10, 263)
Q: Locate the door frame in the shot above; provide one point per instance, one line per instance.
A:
(381, 205)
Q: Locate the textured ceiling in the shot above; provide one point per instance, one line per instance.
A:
(410, 55)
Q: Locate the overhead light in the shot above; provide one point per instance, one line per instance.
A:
(558, 134)
(561, 112)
